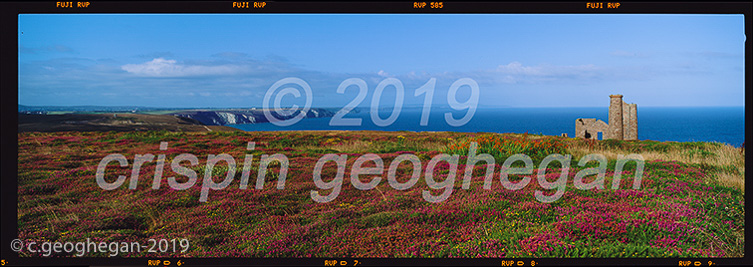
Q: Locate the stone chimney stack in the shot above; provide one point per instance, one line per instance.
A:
(623, 122)
(633, 122)
(615, 117)
(629, 121)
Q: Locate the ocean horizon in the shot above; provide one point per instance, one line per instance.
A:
(680, 124)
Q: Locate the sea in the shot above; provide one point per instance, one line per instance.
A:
(681, 124)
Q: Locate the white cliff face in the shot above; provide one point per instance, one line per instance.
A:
(227, 117)
(224, 117)
(251, 119)
(285, 112)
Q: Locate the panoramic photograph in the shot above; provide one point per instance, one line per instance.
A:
(381, 136)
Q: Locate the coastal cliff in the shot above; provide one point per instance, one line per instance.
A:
(243, 116)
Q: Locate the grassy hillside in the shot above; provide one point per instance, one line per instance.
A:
(690, 203)
(122, 122)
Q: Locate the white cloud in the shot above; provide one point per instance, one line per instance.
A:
(516, 72)
(517, 68)
(160, 67)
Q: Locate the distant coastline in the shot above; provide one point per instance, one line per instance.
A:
(681, 124)
(206, 116)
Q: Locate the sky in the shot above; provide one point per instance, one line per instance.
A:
(525, 60)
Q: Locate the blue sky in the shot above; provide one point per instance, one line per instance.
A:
(228, 60)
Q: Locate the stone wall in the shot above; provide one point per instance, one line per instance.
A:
(623, 122)
(590, 128)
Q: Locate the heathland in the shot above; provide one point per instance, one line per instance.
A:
(690, 202)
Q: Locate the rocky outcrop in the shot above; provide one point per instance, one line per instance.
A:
(244, 116)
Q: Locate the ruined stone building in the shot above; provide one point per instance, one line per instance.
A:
(623, 122)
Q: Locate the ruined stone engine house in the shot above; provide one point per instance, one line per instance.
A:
(623, 122)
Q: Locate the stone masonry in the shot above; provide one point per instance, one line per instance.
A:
(623, 122)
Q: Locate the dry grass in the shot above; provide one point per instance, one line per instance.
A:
(353, 146)
(730, 180)
(727, 161)
(366, 146)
